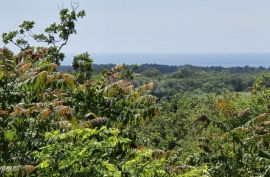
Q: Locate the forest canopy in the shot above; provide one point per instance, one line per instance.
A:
(125, 120)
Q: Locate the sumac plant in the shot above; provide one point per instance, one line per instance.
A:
(59, 124)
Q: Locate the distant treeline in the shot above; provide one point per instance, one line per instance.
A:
(168, 69)
(164, 69)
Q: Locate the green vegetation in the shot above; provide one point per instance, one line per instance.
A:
(170, 80)
(161, 121)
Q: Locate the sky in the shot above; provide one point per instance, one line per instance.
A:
(153, 26)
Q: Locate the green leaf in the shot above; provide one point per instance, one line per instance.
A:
(44, 164)
(110, 166)
(117, 174)
(10, 135)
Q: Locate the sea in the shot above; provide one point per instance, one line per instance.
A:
(197, 59)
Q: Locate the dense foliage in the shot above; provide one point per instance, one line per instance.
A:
(206, 122)
(170, 80)
(206, 79)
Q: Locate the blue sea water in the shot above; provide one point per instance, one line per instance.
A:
(205, 59)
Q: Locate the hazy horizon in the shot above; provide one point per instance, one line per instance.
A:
(152, 26)
(175, 32)
(198, 59)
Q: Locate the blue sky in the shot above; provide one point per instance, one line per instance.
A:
(150, 26)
